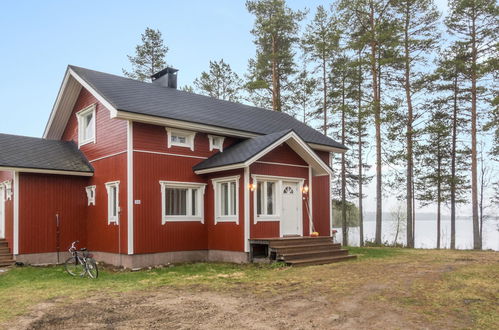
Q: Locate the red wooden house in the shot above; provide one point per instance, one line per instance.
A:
(144, 174)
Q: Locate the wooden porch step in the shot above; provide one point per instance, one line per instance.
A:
(289, 257)
(299, 241)
(307, 247)
(319, 261)
(6, 258)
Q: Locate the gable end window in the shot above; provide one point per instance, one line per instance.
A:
(86, 125)
(226, 199)
(113, 202)
(216, 142)
(180, 138)
(90, 195)
(182, 201)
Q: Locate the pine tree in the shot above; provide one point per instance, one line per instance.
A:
(149, 56)
(419, 35)
(475, 24)
(304, 97)
(321, 44)
(276, 33)
(219, 82)
(374, 19)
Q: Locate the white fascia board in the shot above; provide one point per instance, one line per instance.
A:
(327, 148)
(96, 94)
(56, 103)
(43, 171)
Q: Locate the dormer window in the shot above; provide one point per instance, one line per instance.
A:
(86, 125)
(180, 138)
(216, 142)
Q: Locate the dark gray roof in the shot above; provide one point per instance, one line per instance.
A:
(29, 152)
(151, 99)
(240, 152)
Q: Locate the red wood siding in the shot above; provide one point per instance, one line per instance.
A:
(111, 134)
(224, 235)
(154, 138)
(321, 204)
(149, 233)
(101, 235)
(283, 154)
(324, 155)
(271, 228)
(9, 210)
(41, 197)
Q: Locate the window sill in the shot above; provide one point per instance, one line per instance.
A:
(267, 218)
(181, 219)
(112, 222)
(227, 219)
(86, 142)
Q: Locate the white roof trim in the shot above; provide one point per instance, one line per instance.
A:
(44, 171)
(295, 142)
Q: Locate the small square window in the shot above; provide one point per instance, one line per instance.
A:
(216, 142)
(86, 125)
(180, 138)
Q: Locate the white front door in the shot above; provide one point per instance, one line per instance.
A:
(290, 214)
(2, 211)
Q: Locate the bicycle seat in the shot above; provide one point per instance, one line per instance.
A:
(83, 249)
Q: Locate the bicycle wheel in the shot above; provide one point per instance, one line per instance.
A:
(92, 269)
(74, 267)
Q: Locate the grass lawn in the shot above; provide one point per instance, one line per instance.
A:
(421, 288)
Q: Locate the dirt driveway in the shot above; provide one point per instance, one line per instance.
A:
(368, 295)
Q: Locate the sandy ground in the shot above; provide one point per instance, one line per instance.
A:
(365, 305)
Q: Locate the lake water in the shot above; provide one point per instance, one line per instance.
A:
(426, 232)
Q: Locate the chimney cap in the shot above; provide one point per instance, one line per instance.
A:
(167, 70)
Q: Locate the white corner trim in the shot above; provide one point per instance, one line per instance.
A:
(80, 115)
(183, 218)
(16, 213)
(129, 181)
(246, 197)
(330, 209)
(188, 135)
(310, 204)
(212, 146)
(217, 198)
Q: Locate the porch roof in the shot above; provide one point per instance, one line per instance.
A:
(248, 151)
(29, 154)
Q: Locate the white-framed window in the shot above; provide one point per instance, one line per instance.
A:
(113, 201)
(266, 198)
(180, 138)
(226, 199)
(182, 201)
(216, 142)
(86, 125)
(90, 190)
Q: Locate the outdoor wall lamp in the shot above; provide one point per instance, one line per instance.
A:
(304, 189)
(252, 186)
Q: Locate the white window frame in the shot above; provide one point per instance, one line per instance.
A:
(111, 218)
(278, 205)
(188, 135)
(90, 190)
(80, 115)
(217, 194)
(200, 187)
(211, 138)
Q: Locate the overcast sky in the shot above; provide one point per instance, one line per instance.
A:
(40, 38)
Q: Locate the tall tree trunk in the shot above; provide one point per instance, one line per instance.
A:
(377, 122)
(344, 226)
(453, 168)
(409, 132)
(474, 177)
(359, 137)
(439, 196)
(324, 101)
(276, 88)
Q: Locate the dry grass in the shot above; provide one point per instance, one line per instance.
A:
(428, 288)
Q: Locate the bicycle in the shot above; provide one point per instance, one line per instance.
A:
(81, 264)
